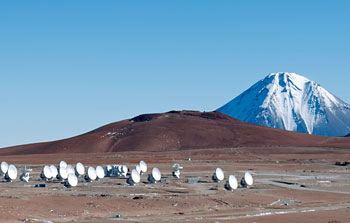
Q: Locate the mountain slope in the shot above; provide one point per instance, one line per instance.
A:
(176, 130)
(291, 102)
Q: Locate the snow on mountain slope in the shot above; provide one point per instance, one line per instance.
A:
(292, 102)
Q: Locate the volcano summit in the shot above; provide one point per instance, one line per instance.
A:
(292, 102)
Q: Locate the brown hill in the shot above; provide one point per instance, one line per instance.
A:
(177, 130)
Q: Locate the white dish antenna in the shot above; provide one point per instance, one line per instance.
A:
(137, 168)
(122, 170)
(46, 173)
(218, 175)
(63, 164)
(155, 176)
(100, 173)
(62, 173)
(72, 180)
(134, 178)
(11, 173)
(70, 169)
(54, 171)
(143, 166)
(232, 183)
(91, 174)
(3, 168)
(79, 169)
(177, 166)
(247, 180)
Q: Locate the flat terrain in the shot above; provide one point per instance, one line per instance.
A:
(291, 185)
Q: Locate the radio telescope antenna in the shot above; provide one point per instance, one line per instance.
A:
(117, 170)
(155, 176)
(63, 164)
(108, 170)
(46, 173)
(25, 174)
(3, 168)
(100, 173)
(72, 180)
(54, 171)
(70, 169)
(137, 168)
(79, 169)
(11, 174)
(90, 175)
(123, 170)
(134, 178)
(62, 173)
(218, 175)
(232, 183)
(143, 167)
(247, 180)
(176, 170)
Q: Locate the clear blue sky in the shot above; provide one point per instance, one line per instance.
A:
(68, 67)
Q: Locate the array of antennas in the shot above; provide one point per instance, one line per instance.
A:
(232, 183)
(69, 175)
(9, 172)
(139, 170)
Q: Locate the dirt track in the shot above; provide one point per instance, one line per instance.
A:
(291, 185)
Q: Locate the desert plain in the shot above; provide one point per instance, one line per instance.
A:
(291, 184)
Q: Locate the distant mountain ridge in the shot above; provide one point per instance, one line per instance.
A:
(292, 102)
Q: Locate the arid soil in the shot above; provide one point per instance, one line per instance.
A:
(291, 185)
(177, 130)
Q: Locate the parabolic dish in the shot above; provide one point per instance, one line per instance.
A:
(137, 168)
(135, 176)
(54, 171)
(156, 174)
(143, 166)
(72, 180)
(63, 173)
(70, 169)
(91, 173)
(80, 169)
(12, 172)
(124, 169)
(248, 178)
(177, 166)
(63, 164)
(4, 167)
(47, 172)
(219, 174)
(232, 182)
(100, 173)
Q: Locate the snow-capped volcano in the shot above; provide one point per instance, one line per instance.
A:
(292, 102)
